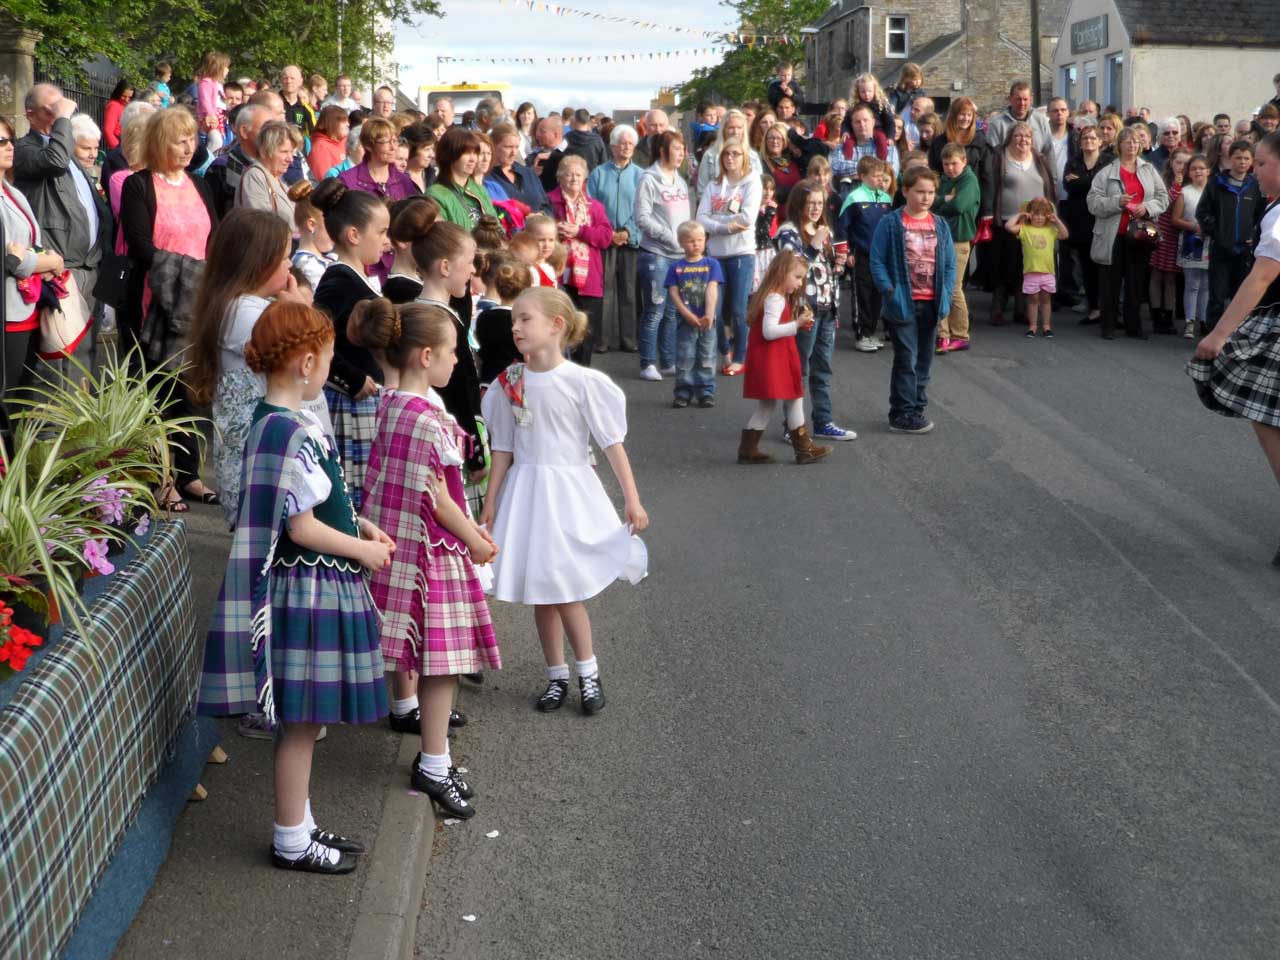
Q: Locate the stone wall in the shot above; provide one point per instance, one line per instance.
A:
(17, 69)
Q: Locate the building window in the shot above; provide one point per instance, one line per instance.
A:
(895, 36)
(1067, 83)
(1115, 80)
(1091, 80)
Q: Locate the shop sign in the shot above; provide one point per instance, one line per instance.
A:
(1089, 34)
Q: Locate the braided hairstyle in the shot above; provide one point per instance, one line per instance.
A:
(285, 330)
(398, 330)
(344, 208)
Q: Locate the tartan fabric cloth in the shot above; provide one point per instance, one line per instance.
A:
(435, 617)
(84, 738)
(1244, 380)
(306, 632)
(354, 424)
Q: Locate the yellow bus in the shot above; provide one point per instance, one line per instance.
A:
(465, 96)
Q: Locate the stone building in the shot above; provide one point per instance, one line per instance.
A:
(1174, 56)
(972, 48)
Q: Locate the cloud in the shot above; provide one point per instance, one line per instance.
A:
(480, 28)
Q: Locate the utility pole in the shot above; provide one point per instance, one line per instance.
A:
(1035, 53)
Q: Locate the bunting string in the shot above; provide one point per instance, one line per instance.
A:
(593, 58)
(728, 36)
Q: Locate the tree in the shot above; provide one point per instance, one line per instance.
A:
(261, 36)
(744, 73)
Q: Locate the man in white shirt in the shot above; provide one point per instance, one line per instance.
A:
(1059, 147)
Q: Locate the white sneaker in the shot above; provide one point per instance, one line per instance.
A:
(879, 344)
(865, 345)
(668, 371)
(650, 373)
(1189, 331)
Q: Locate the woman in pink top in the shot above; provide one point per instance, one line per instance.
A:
(211, 104)
(167, 218)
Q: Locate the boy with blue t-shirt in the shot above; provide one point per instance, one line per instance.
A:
(693, 284)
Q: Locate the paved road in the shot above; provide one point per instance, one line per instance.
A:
(1008, 690)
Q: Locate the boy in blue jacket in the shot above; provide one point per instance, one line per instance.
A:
(866, 205)
(913, 265)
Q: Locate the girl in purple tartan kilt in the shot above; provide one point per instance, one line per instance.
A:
(435, 618)
(357, 222)
(295, 633)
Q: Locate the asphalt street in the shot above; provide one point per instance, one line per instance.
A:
(1007, 690)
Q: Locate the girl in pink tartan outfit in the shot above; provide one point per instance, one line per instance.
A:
(435, 618)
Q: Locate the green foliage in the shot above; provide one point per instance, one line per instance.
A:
(745, 72)
(260, 35)
(65, 443)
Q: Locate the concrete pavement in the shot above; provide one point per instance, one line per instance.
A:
(1005, 690)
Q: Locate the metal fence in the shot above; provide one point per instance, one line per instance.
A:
(90, 90)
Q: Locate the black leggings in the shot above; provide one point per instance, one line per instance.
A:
(1128, 267)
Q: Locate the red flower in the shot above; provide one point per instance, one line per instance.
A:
(18, 641)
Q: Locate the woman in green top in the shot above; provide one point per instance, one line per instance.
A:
(463, 199)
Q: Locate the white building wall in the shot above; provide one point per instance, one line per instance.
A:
(1202, 81)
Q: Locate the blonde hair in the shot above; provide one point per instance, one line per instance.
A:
(559, 258)
(164, 129)
(275, 134)
(133, 143)
(538, 220)
(553, 303)
(881, 101)
(571, 160)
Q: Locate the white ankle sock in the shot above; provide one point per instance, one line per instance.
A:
(401, 708)
(559, 672)
(434, 765)
(308, 820)
(292, 842)
(587, 668)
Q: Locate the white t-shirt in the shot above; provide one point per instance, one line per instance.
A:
(237, 329)
(1269, 242)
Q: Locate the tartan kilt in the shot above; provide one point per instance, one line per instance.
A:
(458, 635)
(326, 658)
(1244, 380)
(355, 423)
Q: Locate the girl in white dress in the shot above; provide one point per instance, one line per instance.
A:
(559, 536)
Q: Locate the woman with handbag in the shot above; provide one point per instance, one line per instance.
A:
(1017, 175)
(24, 265)
(1125, 200)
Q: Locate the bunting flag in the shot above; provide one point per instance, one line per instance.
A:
(593, 58)
(727, 36)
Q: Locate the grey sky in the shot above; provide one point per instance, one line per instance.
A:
(488, 28)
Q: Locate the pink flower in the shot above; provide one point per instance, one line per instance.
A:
(95, 554)
(109, 500)
(144, 524)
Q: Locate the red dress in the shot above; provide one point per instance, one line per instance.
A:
(773, 366)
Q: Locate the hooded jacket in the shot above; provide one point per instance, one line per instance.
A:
(588, 145)
(1228, 215)
(662, 204)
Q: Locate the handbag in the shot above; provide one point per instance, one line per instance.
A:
(112, 285)
(64, 318)
(1143, 231)
(985, 232)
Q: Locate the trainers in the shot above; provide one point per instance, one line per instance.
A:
(554, 696)
(959, 345)
(1189, 331)
(650, 373)
(592, 694)
(876, 342)
(1048, 334)
(865, 345)
(942, 345)
(1031, 334)
(829, 431)
(680, 402)
(912, 424)
(706, 402)
(668, 371)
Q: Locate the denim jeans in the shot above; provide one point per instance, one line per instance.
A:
(912, 360)
(816, 345)
(734, 294)
(695, 361)
(658, 320)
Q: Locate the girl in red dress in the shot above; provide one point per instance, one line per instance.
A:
(778, 309)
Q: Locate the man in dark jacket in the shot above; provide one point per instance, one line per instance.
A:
(584, 142)
(74, 219)
(1228, 213)
(545, 158)
(223, 175)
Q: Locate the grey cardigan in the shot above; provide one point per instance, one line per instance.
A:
(16, 228)
(1106, 205)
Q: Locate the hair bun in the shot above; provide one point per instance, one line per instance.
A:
(329, 194)
(300, 190)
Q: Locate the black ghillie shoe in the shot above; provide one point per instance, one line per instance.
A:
(554, 696)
